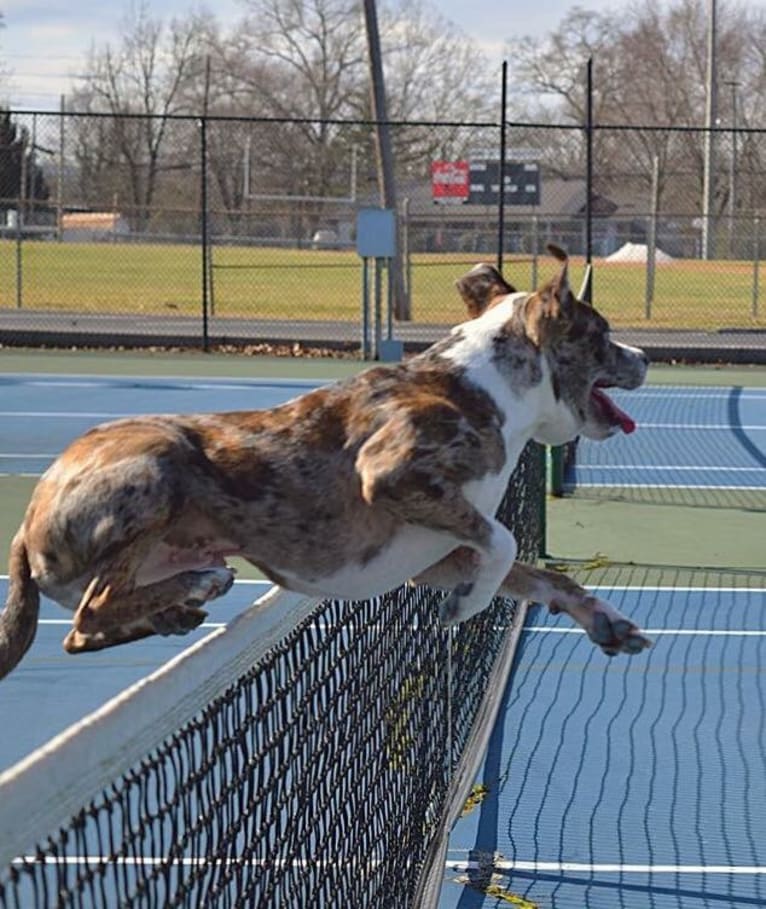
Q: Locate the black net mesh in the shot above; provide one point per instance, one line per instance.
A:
(317, 779)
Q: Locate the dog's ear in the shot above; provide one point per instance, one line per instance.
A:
(560, 284)
(548, 311)
(481, 287)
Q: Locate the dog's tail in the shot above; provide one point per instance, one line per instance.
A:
(18, 621)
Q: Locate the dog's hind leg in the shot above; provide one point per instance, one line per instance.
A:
(171, 606)
(173, 620)
(605, 626)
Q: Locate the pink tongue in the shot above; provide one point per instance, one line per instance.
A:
(626, 423)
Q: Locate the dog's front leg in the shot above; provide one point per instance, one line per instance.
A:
(473, 594)
(604, 625)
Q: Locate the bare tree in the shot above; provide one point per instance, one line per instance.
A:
(649, 71)
(140, 83)
(435, 73)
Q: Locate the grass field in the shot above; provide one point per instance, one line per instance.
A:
(267, 283)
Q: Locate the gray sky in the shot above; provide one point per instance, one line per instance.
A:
(45, 41)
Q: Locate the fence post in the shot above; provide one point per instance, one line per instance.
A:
(501, 169)
(589, 163)
(756, 264)
(651, 250)
(203, 210)
(60, 173)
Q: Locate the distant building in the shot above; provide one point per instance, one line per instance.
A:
(93, 226)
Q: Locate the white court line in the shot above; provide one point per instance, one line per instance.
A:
(69, 414)
(669, 588)
(703, 391)
(245, 582)
(9, 457)
(698, 487)
(724, 427)
(659, 632)
(650, 467)
(68, 622)
(169, 382)
(606, 867)
(253, 582)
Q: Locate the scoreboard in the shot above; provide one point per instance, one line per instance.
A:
(477, 182)
(522, 183)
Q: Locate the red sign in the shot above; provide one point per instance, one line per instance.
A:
(449, 181)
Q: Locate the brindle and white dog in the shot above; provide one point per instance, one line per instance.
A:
(347, 491)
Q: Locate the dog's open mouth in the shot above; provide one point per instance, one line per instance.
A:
(609, 411)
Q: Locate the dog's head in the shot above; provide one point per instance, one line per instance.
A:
(572, 339)
(583, 361)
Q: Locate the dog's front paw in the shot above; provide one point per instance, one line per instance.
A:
(458, 605)
(613, 632)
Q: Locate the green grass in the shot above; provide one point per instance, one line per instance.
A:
(267, 283)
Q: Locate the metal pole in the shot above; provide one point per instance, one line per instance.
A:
(60, 174)
(20, 220)
(756, 264)
(501, 172)
(365, 309)
(378, 303)
(651, 246)
(203, 210)
(708, 181)
(733, 85)
(407, 256)
(386, 179)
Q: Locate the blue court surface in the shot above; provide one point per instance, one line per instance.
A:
(41, 414)
(626, 783)
(687, 437)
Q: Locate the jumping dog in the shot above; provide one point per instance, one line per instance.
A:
(347, 491)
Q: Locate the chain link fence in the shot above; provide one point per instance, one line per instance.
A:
(200, 231)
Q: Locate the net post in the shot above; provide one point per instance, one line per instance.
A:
(557, 470)
(449, 742)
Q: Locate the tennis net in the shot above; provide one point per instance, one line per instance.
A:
(302, 756)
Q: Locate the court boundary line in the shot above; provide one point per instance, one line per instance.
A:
(603, 867)
(105, 380)
(659, 632)
(628, 487)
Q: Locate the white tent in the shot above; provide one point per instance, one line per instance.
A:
(637, 252)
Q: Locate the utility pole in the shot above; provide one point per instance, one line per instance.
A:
(708, 177)
(386, 180)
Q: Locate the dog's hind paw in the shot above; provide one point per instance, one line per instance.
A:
(208, 585)
(177, 620)
(613, 632)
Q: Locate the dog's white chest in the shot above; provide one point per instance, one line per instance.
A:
(408, 553)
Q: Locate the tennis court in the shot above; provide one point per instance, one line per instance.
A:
(701, 439)
(641, 782)
(632, 783)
